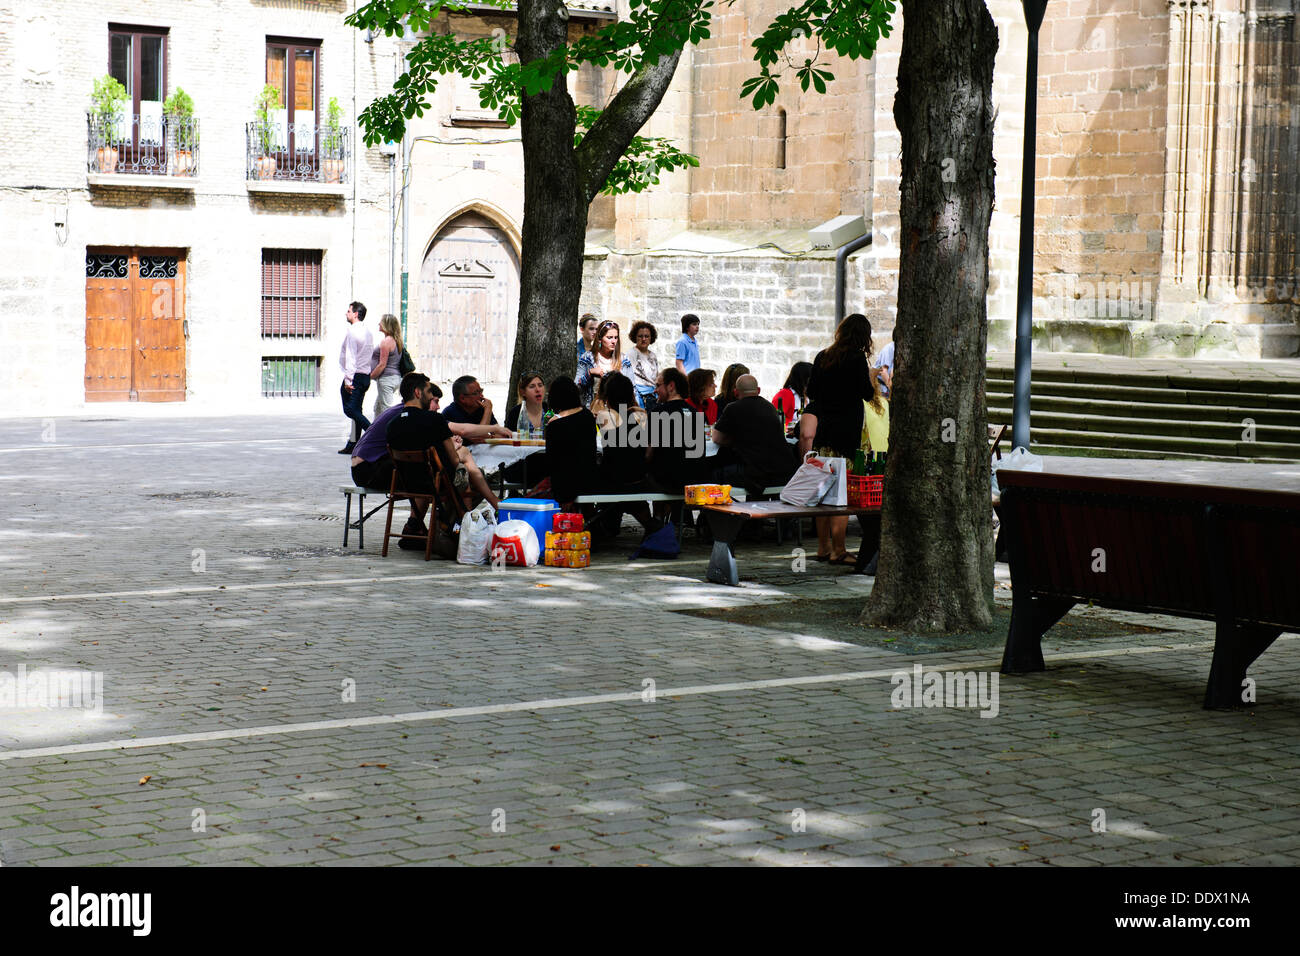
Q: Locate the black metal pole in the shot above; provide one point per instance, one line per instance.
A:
(1034, 10)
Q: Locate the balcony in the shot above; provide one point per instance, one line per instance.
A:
(153, 152)
(301, 159)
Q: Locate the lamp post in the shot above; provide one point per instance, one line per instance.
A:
(1034, 10)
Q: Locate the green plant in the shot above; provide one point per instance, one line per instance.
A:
(179, 108)
(106, 100)
(333, 128)
(267, 100)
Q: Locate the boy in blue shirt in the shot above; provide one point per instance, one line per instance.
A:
(688, 350)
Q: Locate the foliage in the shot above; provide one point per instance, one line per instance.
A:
(850, 28)
(106, 100)
(333, 134)
(651, 29)
(179, 109)
(267, 100)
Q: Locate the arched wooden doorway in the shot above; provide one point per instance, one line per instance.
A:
(469, 301)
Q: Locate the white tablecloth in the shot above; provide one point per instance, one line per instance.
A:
(491, 457)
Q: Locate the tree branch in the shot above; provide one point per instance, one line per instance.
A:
(630, 109)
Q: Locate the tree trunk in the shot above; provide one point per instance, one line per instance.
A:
(555, 210)
(936, 559)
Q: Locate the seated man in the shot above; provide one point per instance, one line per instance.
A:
(751, 435)
(670, 466)
(415, 427)
(469, 406)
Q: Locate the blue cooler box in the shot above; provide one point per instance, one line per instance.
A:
(538, 512)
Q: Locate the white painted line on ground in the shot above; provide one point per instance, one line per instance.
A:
(551, 703)
(162, 444)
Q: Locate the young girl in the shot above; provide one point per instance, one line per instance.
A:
(528, 418)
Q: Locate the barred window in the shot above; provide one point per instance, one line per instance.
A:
(291, 293)
(293, 376)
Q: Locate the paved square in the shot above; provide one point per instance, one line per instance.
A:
(271, 698)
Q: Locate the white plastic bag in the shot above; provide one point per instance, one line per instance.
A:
(1020, 460)
(517, 543)
(809, 484)
(838, 493)
(476, 531)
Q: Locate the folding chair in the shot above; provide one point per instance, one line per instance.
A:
(422, 469)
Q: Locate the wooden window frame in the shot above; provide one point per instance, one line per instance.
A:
(291, 46)
(135, 32)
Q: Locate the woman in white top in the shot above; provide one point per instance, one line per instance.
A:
(386, 363)
(645, 364)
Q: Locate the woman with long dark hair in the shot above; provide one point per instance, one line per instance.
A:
(842, 381)
(793, 395)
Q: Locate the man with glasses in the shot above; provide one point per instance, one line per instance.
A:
(468, 405)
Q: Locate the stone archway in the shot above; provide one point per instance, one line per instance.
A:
(468, 303)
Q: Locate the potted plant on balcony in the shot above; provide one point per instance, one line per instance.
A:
(179, 110)
(264, 129)
(332, 141)
(106, 102)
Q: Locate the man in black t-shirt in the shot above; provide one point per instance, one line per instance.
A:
(751, 434)
(416, 428)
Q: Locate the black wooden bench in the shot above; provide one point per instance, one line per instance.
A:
(1229, 555)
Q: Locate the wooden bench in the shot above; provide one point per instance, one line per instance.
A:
(359, 526)
(725, 521)
(738, 494)
(1228, 555)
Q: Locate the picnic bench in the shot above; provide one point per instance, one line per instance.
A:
(1227, 555)
(725, 522)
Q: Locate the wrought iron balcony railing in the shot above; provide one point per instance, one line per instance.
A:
(300, 152)
(136, 144)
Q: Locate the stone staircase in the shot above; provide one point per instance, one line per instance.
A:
(1104, 409)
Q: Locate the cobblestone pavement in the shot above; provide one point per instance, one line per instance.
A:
(507, 717)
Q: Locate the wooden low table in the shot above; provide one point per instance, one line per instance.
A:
(725, 522)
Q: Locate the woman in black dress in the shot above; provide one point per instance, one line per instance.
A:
(842, 379)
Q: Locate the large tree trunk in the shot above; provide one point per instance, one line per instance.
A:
(555, 210)
(936, 559)
(560, 181)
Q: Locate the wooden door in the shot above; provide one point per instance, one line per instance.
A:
(469, 302)
(135, 325)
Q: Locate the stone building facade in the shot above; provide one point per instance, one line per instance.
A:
(185, 247)
(1167, 199)
(1166, 207)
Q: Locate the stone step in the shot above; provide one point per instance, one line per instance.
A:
(1114, 443)
(1088, 424)
(1093, 391)
(1128, 407)
(1085, 451)
(1213, 383)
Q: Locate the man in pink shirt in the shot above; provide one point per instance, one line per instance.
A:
(354, 359)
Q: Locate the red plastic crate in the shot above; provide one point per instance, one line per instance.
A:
(866, 491)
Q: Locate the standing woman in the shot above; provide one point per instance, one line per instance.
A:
(842, 381)
(645, 364)
(605, 356)
(385, 362)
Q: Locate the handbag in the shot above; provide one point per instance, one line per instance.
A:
(810, 482)
(404, 364)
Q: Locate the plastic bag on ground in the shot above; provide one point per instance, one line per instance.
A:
(476, 530)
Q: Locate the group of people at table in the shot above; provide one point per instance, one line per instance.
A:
(594, 426)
